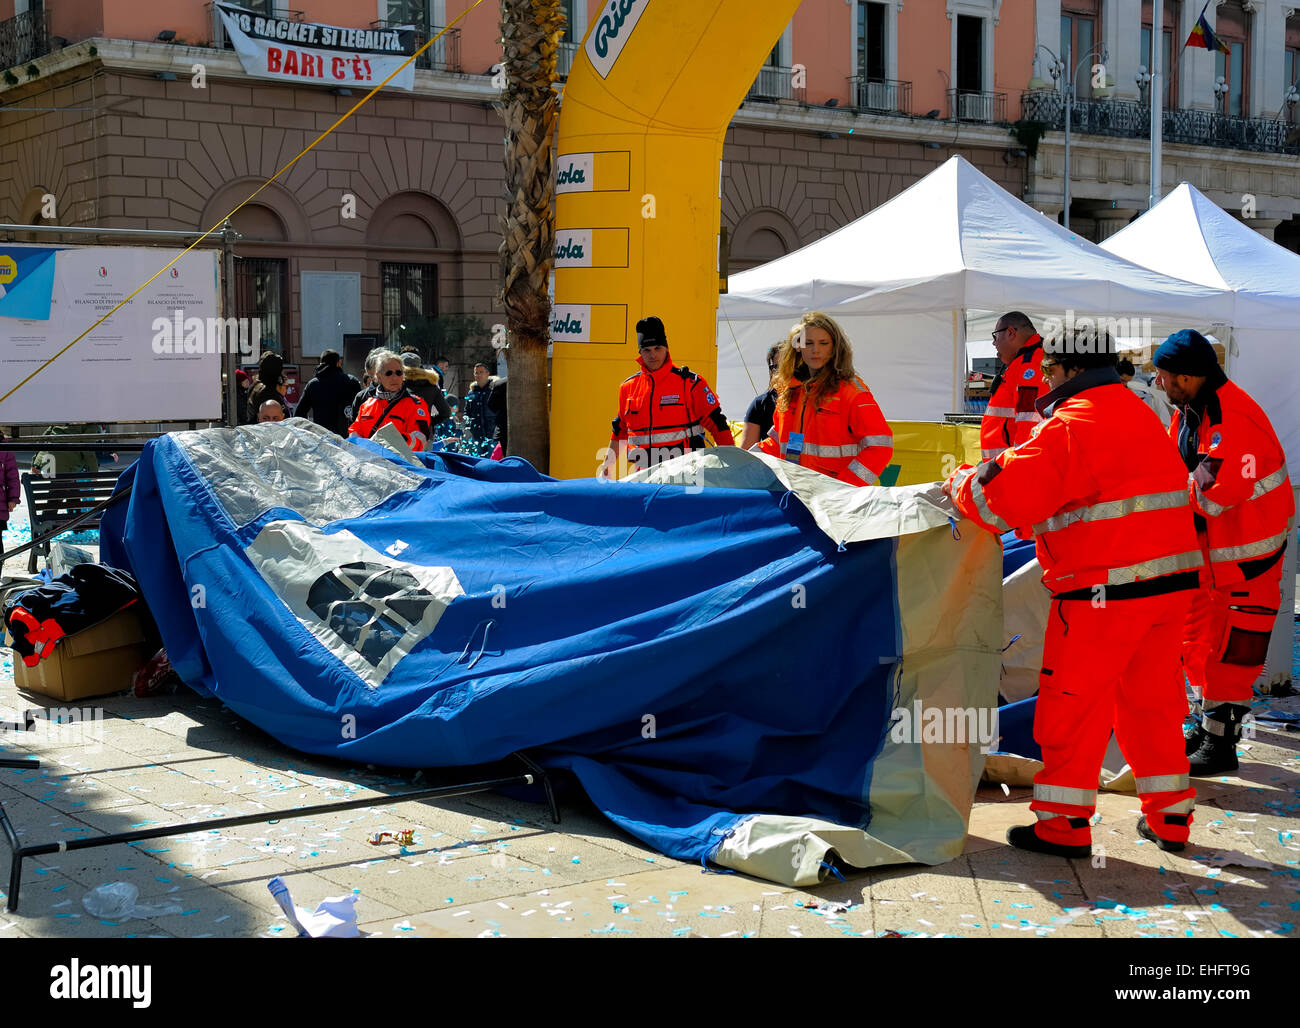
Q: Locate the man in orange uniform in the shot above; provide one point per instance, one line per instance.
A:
(1244, 506)
(1106, 496)
(663, 410)
(1010, 415)
(826, 418)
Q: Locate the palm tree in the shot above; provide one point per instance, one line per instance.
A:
(530, 33)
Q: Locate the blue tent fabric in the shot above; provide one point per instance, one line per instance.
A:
(694, 657)
(1016, 553)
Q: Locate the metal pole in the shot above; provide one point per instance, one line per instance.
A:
(1069, 109)
(59, 230)
(228, 302)
(1157, 100)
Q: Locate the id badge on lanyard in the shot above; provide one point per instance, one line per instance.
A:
(794, 447)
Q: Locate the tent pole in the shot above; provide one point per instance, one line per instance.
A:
(532, 774)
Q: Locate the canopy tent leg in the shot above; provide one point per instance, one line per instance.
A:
(19, 853)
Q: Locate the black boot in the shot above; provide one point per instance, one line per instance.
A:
(1217, 753)
(1148, 833)
(1024, 837)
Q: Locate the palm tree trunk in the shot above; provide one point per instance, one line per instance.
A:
(531, 31)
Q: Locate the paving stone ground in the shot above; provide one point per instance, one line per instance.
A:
(492, 865)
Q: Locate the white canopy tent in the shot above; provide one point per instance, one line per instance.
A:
(908, 278)
(1188, 236)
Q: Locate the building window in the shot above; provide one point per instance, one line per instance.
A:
(1168, 64)
(1080, 32)
(261, 291)
(970, 53)
(409, 296)
(1233, 28)
(408, 12)
(871, 42)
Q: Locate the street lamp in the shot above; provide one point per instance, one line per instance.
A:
(1069, 105)
(1220, 90)
(1143, 79)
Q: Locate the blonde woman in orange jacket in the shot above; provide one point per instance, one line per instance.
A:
(826, 418)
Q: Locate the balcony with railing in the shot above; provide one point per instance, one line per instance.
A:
(24, 37)
(564, 58)
(977, 105)
(1131, 119)
(444, 55)
(775, 83)
(880, 96)
(219, 38)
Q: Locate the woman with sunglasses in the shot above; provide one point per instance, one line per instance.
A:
(393, 404)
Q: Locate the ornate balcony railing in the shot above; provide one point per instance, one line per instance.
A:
(219, 38)
(1131, 119)
(24, 37)
(880, 96)
(775, 83)
(977, 105)
(444, 55)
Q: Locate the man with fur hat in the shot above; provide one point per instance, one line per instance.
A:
(1244, 509)
(425, 383)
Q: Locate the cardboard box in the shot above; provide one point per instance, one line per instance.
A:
(94, 662)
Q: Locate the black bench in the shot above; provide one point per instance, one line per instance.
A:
(52, 501)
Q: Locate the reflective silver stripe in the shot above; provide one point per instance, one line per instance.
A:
(1047, 815)
(1181, 807)
(1213, 727)
(659, 438)
(999, 412)
(875, 440)
(992, 453)
(1269, 483)
(1248, 550)
(828, 450)
(959, 479)
(862, 472)
(1206, 504)
(1154, 568)
(1064, 794)
(982, 505)
(1164, 783)
(1029, 415)
(1113, 509)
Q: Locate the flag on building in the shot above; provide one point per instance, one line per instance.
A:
(1204, 37)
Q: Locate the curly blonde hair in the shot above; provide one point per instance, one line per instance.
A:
(837, 370)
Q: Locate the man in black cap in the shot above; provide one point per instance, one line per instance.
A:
(663, 410)
(1243, 504)
(328, 394)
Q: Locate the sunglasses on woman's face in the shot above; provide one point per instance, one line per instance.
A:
(393, 374)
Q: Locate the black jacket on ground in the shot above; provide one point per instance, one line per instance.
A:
(325, 400)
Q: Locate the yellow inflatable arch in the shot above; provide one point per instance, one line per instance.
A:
(638, 198)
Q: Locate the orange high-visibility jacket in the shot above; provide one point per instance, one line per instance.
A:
(408, 413)
(1011, 415)
(667, 409)
(1240, 485)
(1103, 489)
(845, 435)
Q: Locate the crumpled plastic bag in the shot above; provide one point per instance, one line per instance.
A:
(116, 901)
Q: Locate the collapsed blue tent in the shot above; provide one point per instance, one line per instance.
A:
(721, 660)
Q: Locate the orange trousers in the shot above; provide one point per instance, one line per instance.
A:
(1226, 637)
(1112, 667)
